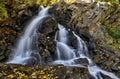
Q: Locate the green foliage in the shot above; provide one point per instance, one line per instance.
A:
(111, 21)
(3, 11)
(115, 32)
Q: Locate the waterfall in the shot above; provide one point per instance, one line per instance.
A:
(63, 50)
(93, 69)
(67, 54)
(26, 49)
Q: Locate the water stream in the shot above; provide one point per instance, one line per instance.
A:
(27, 46)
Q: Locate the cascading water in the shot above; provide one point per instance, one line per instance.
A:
(27, 44)
(62, 47)
(93, 69)
(64, 52)
(66, 55)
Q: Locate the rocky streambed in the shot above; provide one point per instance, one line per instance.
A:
(96, 23)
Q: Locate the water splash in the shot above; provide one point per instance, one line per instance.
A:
(27, 47)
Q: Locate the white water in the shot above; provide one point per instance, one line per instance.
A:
(66, 55)
(64, 52)
(27, 44)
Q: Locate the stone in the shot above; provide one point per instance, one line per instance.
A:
(1, 53)
(82, 61)
(116, 67)
(53, 9)
(48, 25)
(33, 10)
(2, 57)
(31, 61)
(105, 77)
(72, 40)
(36, 55)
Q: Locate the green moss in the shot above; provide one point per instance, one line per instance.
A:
(3, 11)
(114, 31)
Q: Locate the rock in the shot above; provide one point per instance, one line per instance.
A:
(33, 10)
(91, 47)
(7, 53)
(27, 14)
(21, 20)
(72, 40)
(2, 57)
(36, 56)
(116, 67)
(1, 53)
(61, 13)
(2, 47)
(86, 36)
(46, 33)
(104, 76)
(31, 61)
(53, 9)
(48, 25)
(82, 61)
(46, 45)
